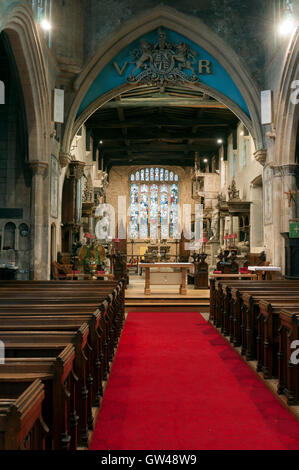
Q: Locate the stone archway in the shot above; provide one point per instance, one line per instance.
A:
(191, 28)
(287, 115)
(281, 153)
(20, 27)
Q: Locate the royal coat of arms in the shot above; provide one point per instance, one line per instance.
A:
(162, 62)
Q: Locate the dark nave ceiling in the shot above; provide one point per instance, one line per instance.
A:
(151, 125)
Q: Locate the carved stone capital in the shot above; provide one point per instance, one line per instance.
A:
(260, 156)
(38, 168)
(76, 169)
(64, 159)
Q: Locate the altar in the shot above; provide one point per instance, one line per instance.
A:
(166, 274)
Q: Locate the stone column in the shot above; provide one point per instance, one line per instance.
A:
(221, 234)
(231, 226)
(274, 243)
(40, 248)
(214, 164)
(236, 227)
(284, 181)
(289, 174)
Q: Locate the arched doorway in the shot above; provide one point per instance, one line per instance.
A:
(219, 75)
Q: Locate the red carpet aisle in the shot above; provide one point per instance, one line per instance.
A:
(176, 385)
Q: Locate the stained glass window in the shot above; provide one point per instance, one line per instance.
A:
(164, 210)
(174, 212)
(133, 226)
(154, 207)
(144, 211)
(154, 210)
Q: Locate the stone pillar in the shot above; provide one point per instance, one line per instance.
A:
(284, 181)
(214, 164)
(231, 226)
(289, 174)
(221, 234)
(236, 227)
(40, 248)
(276, 242)
(227, 225)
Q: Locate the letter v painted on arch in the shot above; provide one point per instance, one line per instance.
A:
(119, 70)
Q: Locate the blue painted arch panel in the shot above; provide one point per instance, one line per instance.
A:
(109, 78)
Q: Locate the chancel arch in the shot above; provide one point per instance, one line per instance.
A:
(180, 25)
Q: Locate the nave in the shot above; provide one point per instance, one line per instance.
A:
(78, 373)
(176, 384)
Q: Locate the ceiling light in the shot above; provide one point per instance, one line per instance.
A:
(287, 26)
(219, 141)
(101, 142)
(46, 25)
(288, 22)
(242, 133)
(205, 160)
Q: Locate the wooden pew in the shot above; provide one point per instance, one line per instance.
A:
(28, 302)
(288, 374)
(227, 303)
(61, 389)
(18, 343)
(102, 349)
(268, 326)
(264, 319)
(21, 422)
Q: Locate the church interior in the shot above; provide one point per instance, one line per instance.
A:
(149, 225)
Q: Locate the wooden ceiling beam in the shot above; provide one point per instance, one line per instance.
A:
(168, 101)
(157, 121)
(158, 147)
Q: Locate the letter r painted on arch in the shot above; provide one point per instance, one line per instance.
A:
(2, 92)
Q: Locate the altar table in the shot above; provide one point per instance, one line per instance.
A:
(165, 277)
